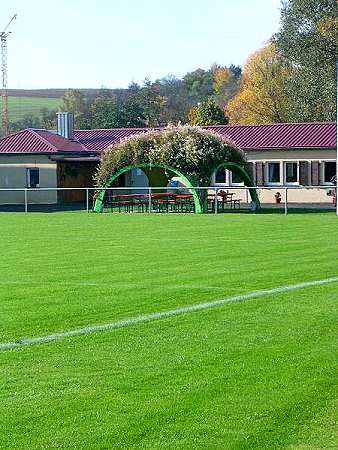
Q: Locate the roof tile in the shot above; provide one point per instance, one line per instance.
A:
(280, 136)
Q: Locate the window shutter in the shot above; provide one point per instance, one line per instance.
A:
(315, 173)
(304, 173)
(259, 174)
(252, 170)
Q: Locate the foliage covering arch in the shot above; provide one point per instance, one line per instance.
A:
(193, 152)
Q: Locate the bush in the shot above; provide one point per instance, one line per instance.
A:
(194, 152)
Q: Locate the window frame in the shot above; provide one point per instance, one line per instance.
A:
(231, 183)
(227, 179)
(273, 183)
(28, 177)
(322, 172)
(290, 183)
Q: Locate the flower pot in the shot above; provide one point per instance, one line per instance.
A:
(278, 200)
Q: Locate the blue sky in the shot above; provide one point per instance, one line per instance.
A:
(83, 43)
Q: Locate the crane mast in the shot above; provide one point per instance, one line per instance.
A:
(4, 76)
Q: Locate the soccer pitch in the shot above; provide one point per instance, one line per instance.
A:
(254, 368)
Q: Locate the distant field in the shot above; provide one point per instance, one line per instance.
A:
(254, 374)
(22, 106)
(24, 102)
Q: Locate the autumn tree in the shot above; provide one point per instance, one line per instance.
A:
(308, 39)
(207, 113)
(225, 83)
(262, 97)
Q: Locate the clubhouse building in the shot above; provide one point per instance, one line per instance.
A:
(283, 154)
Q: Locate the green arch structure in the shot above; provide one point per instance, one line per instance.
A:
(99, 199)
(240, 171)
(236, 168)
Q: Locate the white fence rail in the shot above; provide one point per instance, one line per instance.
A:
(290, 197)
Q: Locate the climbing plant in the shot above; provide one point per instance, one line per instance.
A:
(192, 151)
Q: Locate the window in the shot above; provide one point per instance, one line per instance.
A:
(273, 173)
(235, 180)
(329, 171)
(291, 173)
(221, 176)
(33, 177)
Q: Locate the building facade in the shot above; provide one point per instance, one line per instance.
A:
(280, 155)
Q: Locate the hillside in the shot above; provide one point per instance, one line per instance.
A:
(55, 93)
(29, 102)
(19, 107)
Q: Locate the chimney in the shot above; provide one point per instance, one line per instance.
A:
(65, 125)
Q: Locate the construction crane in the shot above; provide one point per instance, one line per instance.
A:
(4, 93)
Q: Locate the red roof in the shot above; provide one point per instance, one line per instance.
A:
(280, 136)
(38, 141)
(98, 140)
(59, 143)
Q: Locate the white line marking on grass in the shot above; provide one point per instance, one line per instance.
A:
(123, 323)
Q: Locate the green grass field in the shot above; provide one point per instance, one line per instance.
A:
(19, 107)
(254, 374)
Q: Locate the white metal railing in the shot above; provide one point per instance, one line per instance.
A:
(150, 190)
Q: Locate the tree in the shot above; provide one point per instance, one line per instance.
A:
(308, 39)
(28, 121)
(222, 78)
(103, 110)
(263, 97)
(177, 104)
(75, 102)
(152, 103)
(207, 113)
(48, 118)
(198, 85)
(109, 111)
(226, 83)
(132, 112)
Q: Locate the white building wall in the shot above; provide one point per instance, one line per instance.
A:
(13, 176)
(304, 195)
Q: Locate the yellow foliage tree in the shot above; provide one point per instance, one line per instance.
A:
(222, 79)
(328, 28)
(262, 97)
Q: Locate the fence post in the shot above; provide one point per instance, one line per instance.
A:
(87, 200)
(149, 199)
(26, 201)
(286, 202)
(216, 201)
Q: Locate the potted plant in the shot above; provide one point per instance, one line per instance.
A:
(278, 197)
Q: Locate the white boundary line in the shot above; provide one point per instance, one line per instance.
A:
(123, 323)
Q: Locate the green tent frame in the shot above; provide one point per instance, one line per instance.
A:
(188, 183)
(240, 171)
(236, 168)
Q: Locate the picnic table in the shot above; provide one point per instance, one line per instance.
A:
(159, 202)
(223, 198)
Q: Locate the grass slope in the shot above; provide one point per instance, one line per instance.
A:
(252, 375)
(19, 107)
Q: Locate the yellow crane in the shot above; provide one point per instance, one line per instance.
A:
(4, 75)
